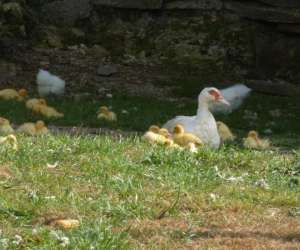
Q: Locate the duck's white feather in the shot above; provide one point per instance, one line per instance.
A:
(203, 125)
(49, 84)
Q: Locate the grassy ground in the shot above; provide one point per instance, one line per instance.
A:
(130, 195)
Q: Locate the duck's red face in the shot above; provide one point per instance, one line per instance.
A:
(217, 96)
(215, 93)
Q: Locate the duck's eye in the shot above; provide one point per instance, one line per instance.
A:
(215, 94)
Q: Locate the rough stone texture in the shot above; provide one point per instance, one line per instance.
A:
(277, 56)
(7, 71)
(274, 87)
(193, 4)
(130, 4)
(260, 12)
(213, 40)
(106, 70)
(66, 12)
(282, 3)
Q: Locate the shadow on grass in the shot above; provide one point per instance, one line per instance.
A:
(216, 233)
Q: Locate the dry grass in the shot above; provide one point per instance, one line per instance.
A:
(226, 229)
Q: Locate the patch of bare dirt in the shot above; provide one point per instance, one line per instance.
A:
(5, 172)
(238, 231)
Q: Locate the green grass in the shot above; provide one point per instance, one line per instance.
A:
(143, 112)
(110, 183)
(106, 183)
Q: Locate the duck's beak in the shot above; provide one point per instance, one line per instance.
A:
(221, 99)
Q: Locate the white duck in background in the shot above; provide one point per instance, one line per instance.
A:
(49, 84)
(203, 124)
(235, 95)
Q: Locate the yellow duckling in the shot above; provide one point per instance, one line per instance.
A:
(9, 94)
(5, 127)
(48, 111)
(164, 132)
(106, 114)
(153, 136)
(11, 139)
(225, 132)
(253, 141)
(172, 145)
(34, 103)
(184, 139)
(40, 128)
(27, 128)
(30, 128)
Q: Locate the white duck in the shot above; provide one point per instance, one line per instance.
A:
(203, 124)
(234, 95)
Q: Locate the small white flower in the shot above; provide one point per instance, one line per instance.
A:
(18, 239)
(33, 195)
(125, 112)
(4, 243)
(108, 95)
(213, 196)
(234, 178)
(59, 236)
(262, 184)
(65, 241)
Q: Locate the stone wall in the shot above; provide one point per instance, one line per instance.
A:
(238, 38)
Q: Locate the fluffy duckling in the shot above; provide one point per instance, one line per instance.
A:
(11, 139)
(30, 128)
(165, 133)
(34, 103)
(40, 128)
(5, 127)
(253, 141)
(106, 114)
(172, 145)
(40, 106)
(184, 139)
(153, 136)
(27, 128)
(47, 111)
(225, 132)
(9, 94)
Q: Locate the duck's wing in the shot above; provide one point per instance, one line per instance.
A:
(235, 95)
(186, 121)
